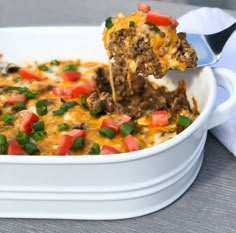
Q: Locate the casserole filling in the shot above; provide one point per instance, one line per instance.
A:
(66, 108)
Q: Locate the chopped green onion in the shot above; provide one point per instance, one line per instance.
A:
(18, 106)
(84, 102)
(107, 132)
(127, 129)
(20, 89)
(38, 126)
(131, 24)
(43, 68)
(22, 138)
(67, 105)
(183, 121)
(62, 100)
(30, 94)
(58, 112)
(69, 67)
(41, 107)
(95, 149)
(55, 63)
(30, 148)
(3, 144)
(153, 27)
(38, 135)
(78, 143)
(63, 126)
(26, 91)
(64, 107)
(8, 118)
(94, 112)
(109, 23)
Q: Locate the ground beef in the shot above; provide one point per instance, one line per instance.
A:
(79, 125)
(103, 102)
(146, 60)
(144, 97)
(186, 53)
(102, 80)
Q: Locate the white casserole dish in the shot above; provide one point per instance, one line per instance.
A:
(114, 186)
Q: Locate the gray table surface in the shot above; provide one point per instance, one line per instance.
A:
(210, 203)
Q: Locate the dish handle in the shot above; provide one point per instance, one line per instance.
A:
(227, 79)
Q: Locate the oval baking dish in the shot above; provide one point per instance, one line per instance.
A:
(115, 186)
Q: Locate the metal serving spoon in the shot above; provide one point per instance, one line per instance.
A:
(209, 47)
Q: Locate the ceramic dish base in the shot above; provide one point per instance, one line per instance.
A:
(50, 205)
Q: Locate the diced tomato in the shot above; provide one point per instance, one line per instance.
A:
(106, 149)
(17, 98)
(28, 75)
(84, 87)
(111, 124)
(14, 148)
(160, 118)
(64, 145)
(81, 88)
(124, 118)
(130, 143)
(77, 133)
(158, 19)
(27, 121)
(71, 75)
(63, 92)
(91, 83)
(143, 7)
(174, 22)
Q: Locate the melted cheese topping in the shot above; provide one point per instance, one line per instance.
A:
(48, 80)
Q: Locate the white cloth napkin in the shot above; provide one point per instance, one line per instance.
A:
(206, 21)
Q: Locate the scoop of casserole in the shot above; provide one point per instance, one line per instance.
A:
(141, 44)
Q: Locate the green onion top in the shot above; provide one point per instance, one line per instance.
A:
(94, 112)
(67, 105)
(78, 143)
(3, 144)
(55, 62)
(69, 67)
(64, 107)
(109, 23)
(41, 107)
(43, 68)
(38, 126)
(153, 27)
(63, 127)
(107, 132)
(22, 138)
(30, 148)
(8, 118)
(26, 91)
(95, 149)
(127, 129)
(183, 121)
(84, 102)
(38, 135)
(131, 24)
(58, 112)
(18, 106)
